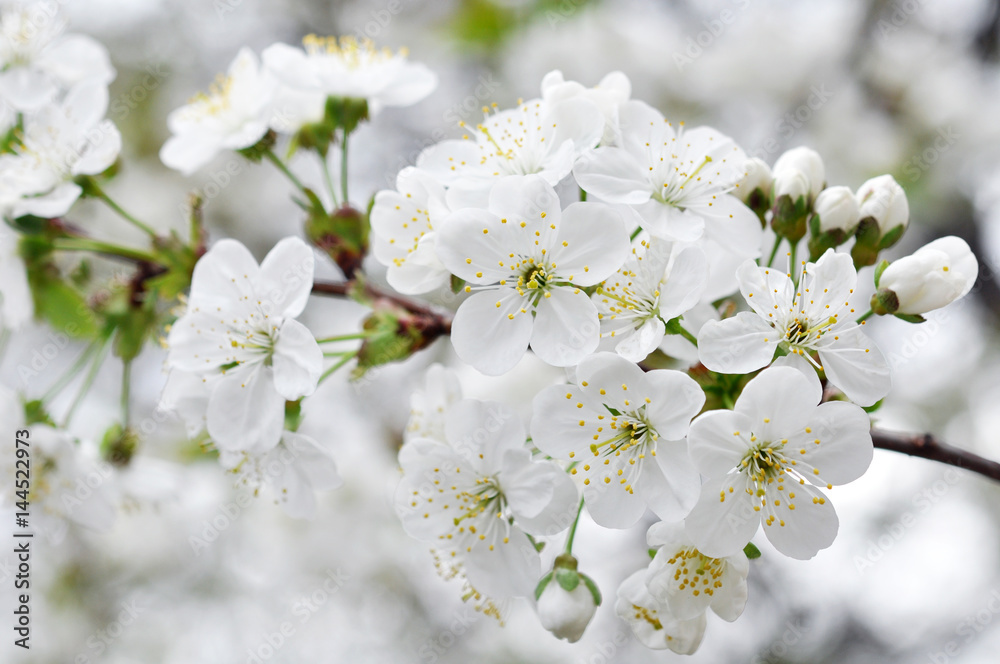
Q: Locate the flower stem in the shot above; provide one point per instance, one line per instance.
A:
(126, 389)
(635, 233)
(95, 189)
(343, 168)
(342, 337)
(88, 382)
(863, 317)
(583, 194)
(344, 360)
(572, 529)
(67, 377)
(97, 246)
(774, 251)
(280, 165)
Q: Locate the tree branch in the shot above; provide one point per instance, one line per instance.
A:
(926, 446)
(441, 322)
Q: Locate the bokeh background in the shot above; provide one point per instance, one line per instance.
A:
(907, 87)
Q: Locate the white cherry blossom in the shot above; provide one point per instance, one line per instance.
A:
(688, 581)
(233, 115)
(814, 317)
(624, 431)
(660, 281)
(882, 199)
(536, 137)
(528, 260)
(476, 495)
(347, 67)
(405, 225)
(679, 181)
(429, 406)
(38, 61)
(932, 277)
(766, 459)
(651, 621)
(240, 335)
(292, 472)
(799, 172)
(60, 142)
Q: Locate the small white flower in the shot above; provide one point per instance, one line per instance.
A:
(536, 137)
(837, 209)
(660, 281)
(814, 317)
(233, 115)
(528, 260)
(651, 621)
(293, 471)
(764, 460)
(37, 60)
(934, 276)
(678, 181)
(796, 166)
(69, 484)
(346, 67)
(477, 494)
(566, 613)
(885, 201)
(404, 232)
(689, 582)
(624, 431)
(613, 90)
(59, 143)
(240, 336)
(429, 406)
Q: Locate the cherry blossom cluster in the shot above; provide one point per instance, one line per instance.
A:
(708, 311)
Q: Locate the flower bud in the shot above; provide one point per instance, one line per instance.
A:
(884, 200)
(793, 184)
(758, 176)
(567, 599)
(934, 276)
(837, 210)
(804, 161)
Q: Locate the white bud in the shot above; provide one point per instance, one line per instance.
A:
(758, 177)
(805, 161)
(935, 275)
(566, 614)
(884, 200)
(837, 209)
(791, 183)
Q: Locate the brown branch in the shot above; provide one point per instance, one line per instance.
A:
(434, 320)
(926, 446)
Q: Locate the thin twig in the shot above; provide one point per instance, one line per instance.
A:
(927, 446)
(440, 321)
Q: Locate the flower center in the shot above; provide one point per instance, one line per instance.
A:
(764, 463)
(353, 53)
(695, 571)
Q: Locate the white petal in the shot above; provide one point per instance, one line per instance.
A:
(297, 360)
(845, 447)
(740, 344)
(566, 327)
(245, 412)
(671, 484)
(483, 432)
(802, 532)
(613, 175)
(675, 398)
(591, 243)
(511, 569)
(779, 401)
(713, 446)
(286, 277)
(189, 152)
(722, 527)
(53, 204)
(855, 364)
(734, 226)
(486, 336)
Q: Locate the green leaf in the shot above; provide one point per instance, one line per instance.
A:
(59, 304)
(134, 328)
(568, 579)
(751, 551)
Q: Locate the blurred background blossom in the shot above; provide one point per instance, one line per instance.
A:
(195, 572)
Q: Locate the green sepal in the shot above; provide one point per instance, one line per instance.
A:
(567, 579)
(595, 592)
(293, 415)
(652, 553)
(891, 238)
(540, 588)
(119, 445)
(133, 328)
(257, 151)
(345, 113)
(874, 407)
(343, 235)
(751, 551)
(911, 318)
(867, 237)
(457, 284)
(60, 305)
(35, 413)
(789, 217)
(879, 269)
